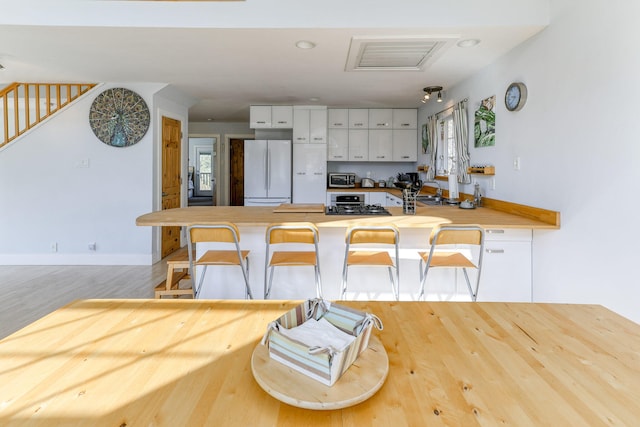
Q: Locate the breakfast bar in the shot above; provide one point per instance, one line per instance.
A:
(188, 363)
(507, 263)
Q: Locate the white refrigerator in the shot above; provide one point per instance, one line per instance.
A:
(267, 172)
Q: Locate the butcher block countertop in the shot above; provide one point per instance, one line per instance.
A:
(426, 217)
(172, 363)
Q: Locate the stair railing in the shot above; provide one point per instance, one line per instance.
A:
(24, 105)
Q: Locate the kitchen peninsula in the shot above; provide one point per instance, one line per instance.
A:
(507, 264)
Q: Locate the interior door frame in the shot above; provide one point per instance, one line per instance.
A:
(156, 233)
(217, 159)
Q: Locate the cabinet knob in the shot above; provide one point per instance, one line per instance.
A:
(494, 251)
(495, 231)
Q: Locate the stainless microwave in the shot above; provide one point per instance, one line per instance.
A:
(341, 180)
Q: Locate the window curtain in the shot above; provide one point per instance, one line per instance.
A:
(461, 132)
(432, 136)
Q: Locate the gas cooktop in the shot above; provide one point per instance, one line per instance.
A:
(357, 210)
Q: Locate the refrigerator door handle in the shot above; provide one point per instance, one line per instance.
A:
(268, 169)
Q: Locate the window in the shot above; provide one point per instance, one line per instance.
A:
(446, 147)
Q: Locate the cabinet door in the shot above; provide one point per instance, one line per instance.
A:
(506, 267)
(358, 145)
(260, 116)
(309, 173)
(338, 118)
(380, 145)
(282, 116)
(338, 145)
(301, 126)
(318, 126)
(358, 118)
(405, 145)
(405, 118)
(393, 200)
(378, 198)
(380, 118)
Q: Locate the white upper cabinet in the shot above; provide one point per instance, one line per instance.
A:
(358, 145)
(385, 135)
(282, 117)
(338, 145)
(318, 126)
(338, 118)
(380, 118)
(270, 117)
(358, 118)
(405, 118)
(405, 145)
(309, 125)
(260, 117)
(380, 145)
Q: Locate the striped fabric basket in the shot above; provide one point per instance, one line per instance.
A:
(323, 364)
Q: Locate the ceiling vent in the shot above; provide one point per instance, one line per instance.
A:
(395, 53)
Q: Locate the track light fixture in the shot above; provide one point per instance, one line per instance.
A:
(429, 90)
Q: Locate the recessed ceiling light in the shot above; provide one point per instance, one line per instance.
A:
(314, 99)
(210, 119)
(305, 44)
(468, 43)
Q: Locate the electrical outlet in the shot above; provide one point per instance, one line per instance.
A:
(493, 183)
(516, 164)
(54, 247)
(92, 246)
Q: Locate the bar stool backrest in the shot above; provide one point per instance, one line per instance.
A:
(451, 235)
(300, 232)
(219, 232)
(385, 235)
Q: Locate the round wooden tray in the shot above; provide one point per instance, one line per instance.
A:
(359, 383)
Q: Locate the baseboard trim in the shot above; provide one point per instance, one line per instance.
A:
(76, 259)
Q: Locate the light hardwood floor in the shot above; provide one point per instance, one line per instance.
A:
(30, 292)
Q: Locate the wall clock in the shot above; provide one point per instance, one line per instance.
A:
(516, 96)
(119, 117)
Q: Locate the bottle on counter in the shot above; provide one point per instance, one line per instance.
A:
(477, 197)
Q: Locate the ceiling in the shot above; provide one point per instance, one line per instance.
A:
(225, 65)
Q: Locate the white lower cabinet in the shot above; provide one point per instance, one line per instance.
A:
(506, 269)
(393, 200)
(377, 198)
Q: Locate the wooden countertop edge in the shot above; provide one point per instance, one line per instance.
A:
(552, 218)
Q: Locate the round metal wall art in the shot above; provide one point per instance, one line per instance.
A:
(119, 117)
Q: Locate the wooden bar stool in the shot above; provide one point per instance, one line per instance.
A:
(227, 235)
(290, 233)
(366, 235)
(443, 254)
(177, 271)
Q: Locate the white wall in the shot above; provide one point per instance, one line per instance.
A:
(46, 198)
(577, 138)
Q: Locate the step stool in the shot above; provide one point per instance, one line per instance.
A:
(177, 270)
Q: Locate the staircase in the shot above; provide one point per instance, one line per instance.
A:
(24, 105)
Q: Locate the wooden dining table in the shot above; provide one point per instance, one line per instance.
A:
(188, 363)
